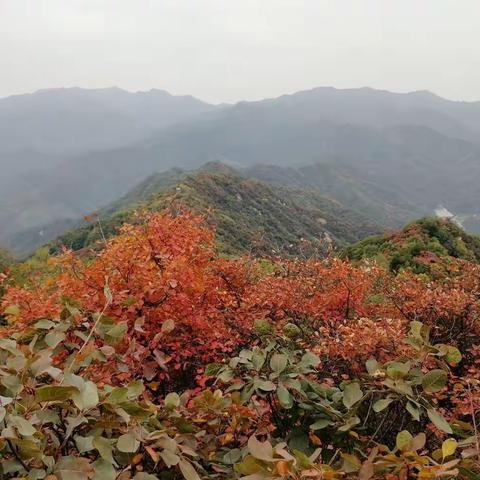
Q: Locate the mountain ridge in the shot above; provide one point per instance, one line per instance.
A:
(398, 155)
(249, 214)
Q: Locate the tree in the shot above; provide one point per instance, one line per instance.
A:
(5, 260)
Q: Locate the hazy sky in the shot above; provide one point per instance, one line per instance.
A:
(227, 50)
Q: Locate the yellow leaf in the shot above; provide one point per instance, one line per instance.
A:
(426, 473)
(448, 447)
(227, 438)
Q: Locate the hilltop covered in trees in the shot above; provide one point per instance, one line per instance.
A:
(424, 246)
(248, 215)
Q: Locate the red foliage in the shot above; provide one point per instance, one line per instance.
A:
(186, 306)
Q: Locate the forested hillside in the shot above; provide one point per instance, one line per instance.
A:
(249, 216)
(5, 259)
(423, 246)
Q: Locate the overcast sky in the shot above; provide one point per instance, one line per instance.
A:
(228, 50)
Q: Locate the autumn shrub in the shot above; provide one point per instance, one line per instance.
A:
(157, 358)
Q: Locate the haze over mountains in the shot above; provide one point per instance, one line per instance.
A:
(41, 129)
(390, 157)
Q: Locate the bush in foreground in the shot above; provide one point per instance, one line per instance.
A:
(156, 358)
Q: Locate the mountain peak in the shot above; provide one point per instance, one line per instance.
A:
(217, 167)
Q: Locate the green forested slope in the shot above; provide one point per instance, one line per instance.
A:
(418, 246)
(248, 214)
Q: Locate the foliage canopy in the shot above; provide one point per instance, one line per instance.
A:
(156, 358)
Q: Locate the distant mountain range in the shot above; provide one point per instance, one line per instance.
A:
(390, 157)
(43, 135)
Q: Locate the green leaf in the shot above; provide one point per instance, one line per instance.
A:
(404, 440)
(16, 363)
(439, 420)
(350, 463)
(54, 393)
(104, 447)
(352, 393)
(309, 359)
(44, 324)
(232, 456)
(258, 359)
(170, 459)
(398, 370)
(382, 404)
(10, 346)
(372, 366)
(135, 409)
(213, 369)
(264, 385)
(135, 389)
(448, 447)
(118, 330)
(284, 397)
(27, 448)
(48, 416)
(245, 354)
(42, 363)
(52, 339)
(321, 423)
(399, 386)
(349, 424)
(73, 380)
(260, 450)
(453, 356)
(37, 474)
(73, 423)
(188, 472)
(13, 310)
(413, 410)
(74, 468)
(434, 381)
(104, 470)
(11, 466)
(84, 444)
(118, 395)
(172, 400)
(225, 376)
(416, 330)
(278, 362)
(24, 427)
(144, 476)
(4, 401)
(128, 443)
(87, 398)
(12, 383)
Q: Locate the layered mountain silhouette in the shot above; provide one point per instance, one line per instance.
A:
(390, 157)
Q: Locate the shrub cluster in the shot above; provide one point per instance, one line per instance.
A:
(156, 358)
